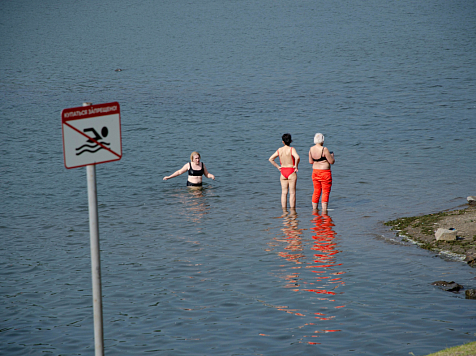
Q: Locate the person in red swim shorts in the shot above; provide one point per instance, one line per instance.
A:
(289, 160)
(321, 160)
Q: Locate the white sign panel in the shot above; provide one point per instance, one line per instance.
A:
(91, 134)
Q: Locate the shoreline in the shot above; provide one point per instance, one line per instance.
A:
(420, 230)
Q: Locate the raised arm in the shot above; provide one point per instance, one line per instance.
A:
(206, 174)
(179, 172)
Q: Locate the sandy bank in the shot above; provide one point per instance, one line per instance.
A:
(421, 230)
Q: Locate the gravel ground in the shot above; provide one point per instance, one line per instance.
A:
(421, 230)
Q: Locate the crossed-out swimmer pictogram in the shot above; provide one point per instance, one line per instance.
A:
(93, 146)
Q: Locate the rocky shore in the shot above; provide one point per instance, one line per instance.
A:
(450, 233)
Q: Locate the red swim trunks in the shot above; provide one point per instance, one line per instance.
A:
(322, 181)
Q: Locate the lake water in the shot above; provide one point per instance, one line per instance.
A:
(223, 270)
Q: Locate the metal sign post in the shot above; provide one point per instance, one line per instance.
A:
(82, 149)
(95, 260)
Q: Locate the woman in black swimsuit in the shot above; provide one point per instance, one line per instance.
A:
(196, 170)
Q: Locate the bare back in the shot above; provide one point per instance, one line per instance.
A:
(286, 156)
(322, 154)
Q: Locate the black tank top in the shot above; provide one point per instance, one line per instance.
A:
(192, 172)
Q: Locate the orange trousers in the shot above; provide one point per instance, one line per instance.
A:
(322, 181)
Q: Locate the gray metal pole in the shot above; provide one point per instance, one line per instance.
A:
(95, 259)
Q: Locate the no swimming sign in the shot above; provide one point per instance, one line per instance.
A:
(91, 134)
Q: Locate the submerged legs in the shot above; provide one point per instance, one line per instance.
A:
(288, 184)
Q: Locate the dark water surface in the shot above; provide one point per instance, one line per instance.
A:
(223, 270)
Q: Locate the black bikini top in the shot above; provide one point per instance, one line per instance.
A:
(192, 172)
(322, 158)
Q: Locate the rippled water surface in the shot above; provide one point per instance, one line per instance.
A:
(223, 270)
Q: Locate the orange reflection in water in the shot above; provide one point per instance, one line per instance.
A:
(324, 255)
(325, 278)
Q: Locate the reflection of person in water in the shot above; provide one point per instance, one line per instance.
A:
(289, 160)
(325, 252)
(293, 237)
(292, 249)
(321, 160)
(315, 273)
(195, 203)
(327, 279)
(196, 170)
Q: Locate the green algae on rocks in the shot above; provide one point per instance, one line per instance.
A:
(421, 230)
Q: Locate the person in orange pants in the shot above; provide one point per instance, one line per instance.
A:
(321, 159)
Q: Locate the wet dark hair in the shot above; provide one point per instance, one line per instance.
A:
(287, 139)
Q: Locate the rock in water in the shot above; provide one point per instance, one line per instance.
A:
(471, 259)
(470, 294)
(448, 286)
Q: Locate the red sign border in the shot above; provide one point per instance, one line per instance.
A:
(91, 111)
